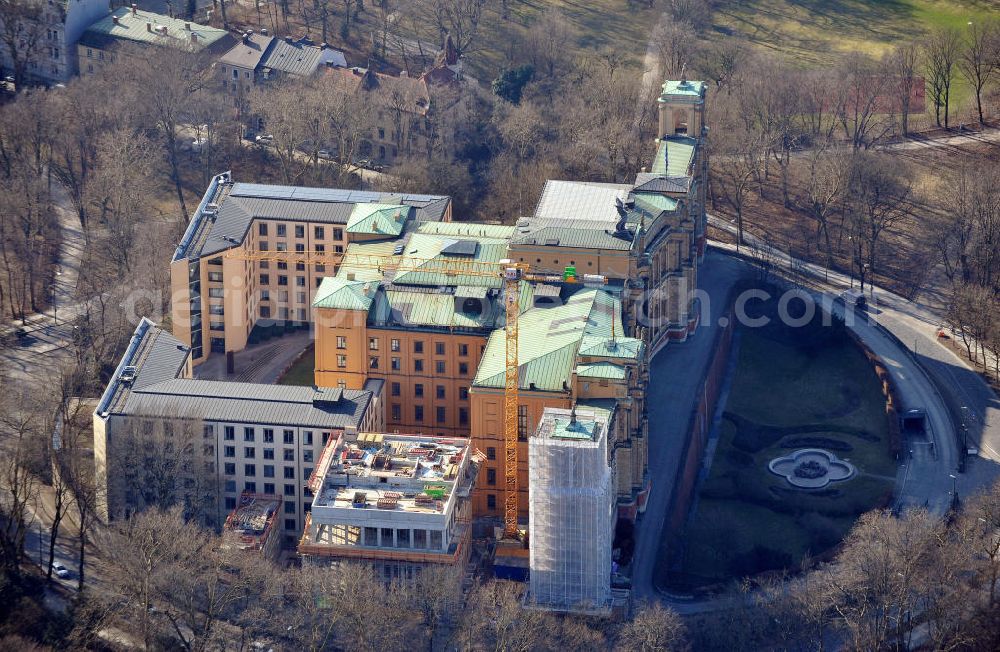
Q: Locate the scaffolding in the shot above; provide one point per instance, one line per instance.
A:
(571, 512)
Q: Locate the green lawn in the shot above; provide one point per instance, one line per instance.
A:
(818, 30)
(301, 371)
(792, 389)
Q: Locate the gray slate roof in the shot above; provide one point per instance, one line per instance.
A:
(648, 182)
(247, 55)
(156, 355)
(157, 391)
(295, 59)
(278, 405)
(240, 203)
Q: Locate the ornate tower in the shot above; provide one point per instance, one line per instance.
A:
(682, 108)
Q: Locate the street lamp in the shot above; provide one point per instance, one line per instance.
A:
(965, 429)
(954, 491)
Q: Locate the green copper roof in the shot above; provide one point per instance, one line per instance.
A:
(471, 292)
(378, 219)
(436, 249)
(381, 248)
(686, 87)
(655, 203)
(408, 308)
(601, 370)
(177, 33)
(627, 348)
(467, 230)
(549, 339)
(339, 293)
(681, 155)
(603, 408)
(584, 428)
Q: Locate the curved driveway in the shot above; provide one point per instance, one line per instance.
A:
(930, 460)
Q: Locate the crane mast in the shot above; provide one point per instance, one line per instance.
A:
(512, 279)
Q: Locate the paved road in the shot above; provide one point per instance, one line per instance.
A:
(675, 377)
(924, 477)
(916, 324)
(34, 356)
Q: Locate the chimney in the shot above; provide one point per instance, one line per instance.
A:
(194, 37)
(135, 9)
(288, 39)
(324, 45)
(187, 26)
(246, 37)
(114, 19)
(149, 26)
(263, 31)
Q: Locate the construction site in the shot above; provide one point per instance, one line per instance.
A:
(396, 501)
(506, 366)
(252, 527)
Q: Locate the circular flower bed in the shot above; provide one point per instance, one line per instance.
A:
(810, 470)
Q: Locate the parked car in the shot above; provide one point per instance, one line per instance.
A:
(264, 139)
(854, 299)
(198, 143)
(61, 571)
(325, 154)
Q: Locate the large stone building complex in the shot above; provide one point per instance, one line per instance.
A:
(409, 311)
(414, 323)
(220, 290)
(161, 435)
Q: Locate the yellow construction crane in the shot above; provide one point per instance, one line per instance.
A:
(511, 274)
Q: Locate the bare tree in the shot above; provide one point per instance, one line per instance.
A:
(494, 618)
(873, 589)
(860, 91)
(170, 85)
(654, 629)
(118, 196)
(942, 52)
(741, 154)
(902, 65)
(979, 60)
(21, 460)
(545, 42)
(823, 191)
(966, 238)
(677, 47)
(21, 30)
(879, 189)
(459, 18)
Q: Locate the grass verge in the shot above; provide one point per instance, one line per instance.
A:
(302, 370)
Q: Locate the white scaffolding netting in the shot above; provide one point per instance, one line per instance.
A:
(571, 519)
